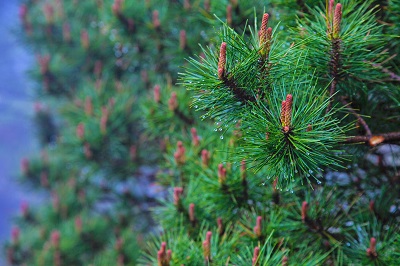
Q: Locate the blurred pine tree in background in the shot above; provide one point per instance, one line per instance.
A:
(213, 133)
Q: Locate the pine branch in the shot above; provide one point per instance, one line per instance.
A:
(373, 140)
(359, 118)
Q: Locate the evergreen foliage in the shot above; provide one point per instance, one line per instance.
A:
(264, 144)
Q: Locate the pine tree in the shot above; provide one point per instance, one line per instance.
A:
(265, 141)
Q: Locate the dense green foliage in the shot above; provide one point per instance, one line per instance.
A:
(263, 139)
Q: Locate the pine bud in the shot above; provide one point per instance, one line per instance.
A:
(87, 151)
(133, 153)
(78, 224)
(24, 209)
(375, 140)
(262, 33)
(44, 179)
(195, 137)
(256, 253)
(285, 261)
(98, 68)
(330, 8)
(163, 256)
(66, 30)
(55, 239)
(243, 169)
(192, 216)
(207, 247)
(186, 4)
(371, 206)
(88, 106)
(179, 154)
(221, 174)
(119, 244)
(257, 229)
(222, 61)
(85, 39)
(23, 13)
(220, 226)
(15, 232)
(173, 101)
(205, 157)
(286, 113)
(80, 131)
(178, 191)
(229, 15)
(44, 63)
(309, 128)
(304, 209)
(156, 93)
(103, 119)
(48, 11)
(25, 166)
(336, 21)
(55, 202)
(207, 5)
(116, 7)
(156, 20)
(182, 40)
(371, 251)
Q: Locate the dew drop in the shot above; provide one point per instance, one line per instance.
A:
(215, 129)
(220, 129)
(222, 137)
(319, 182)
(310, 171)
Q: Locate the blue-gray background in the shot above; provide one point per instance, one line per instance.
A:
(17, 136)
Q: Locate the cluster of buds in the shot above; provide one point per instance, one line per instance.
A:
(179, 154)
(182, 40)
(163, 255)
(207, 247)
(371, 251)
(178, 191)
(104, 119)
(264, 36)
(66, 31)
(205, 157)
(285, 261)
(258, 228)
(173, 102)
(222, 61)
(256, 254)
(195, 137)
(221, 174)
(336, 17)
(304, 210)
(156, 93)
(85, 39)
(286, 113)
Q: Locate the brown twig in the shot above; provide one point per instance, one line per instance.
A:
(381, 138)
(359, 118)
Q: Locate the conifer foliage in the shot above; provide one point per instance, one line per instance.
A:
(276, 144)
